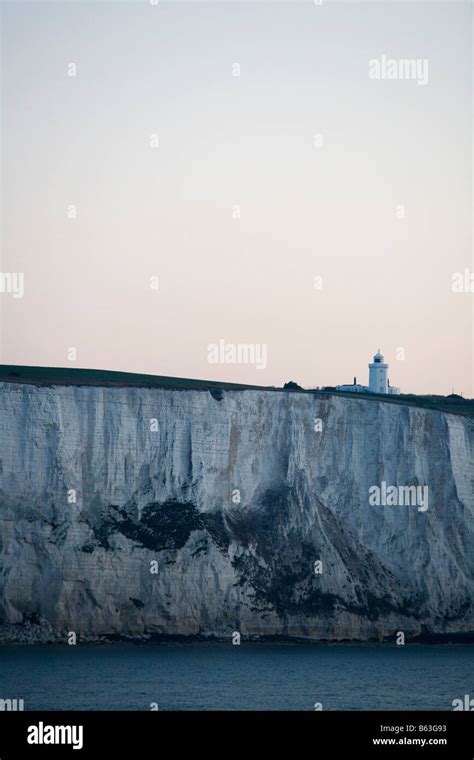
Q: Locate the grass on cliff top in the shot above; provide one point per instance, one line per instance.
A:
(69, 376)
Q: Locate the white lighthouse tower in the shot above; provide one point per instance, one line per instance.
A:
(378, 375)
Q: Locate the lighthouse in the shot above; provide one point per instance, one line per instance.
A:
(378, 379)
(378, 375)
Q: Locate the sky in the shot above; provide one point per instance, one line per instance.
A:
(183, 175)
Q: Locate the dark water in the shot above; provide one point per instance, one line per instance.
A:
(245, 677)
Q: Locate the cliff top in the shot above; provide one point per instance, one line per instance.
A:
(47, 376)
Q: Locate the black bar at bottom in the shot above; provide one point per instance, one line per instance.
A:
(133, 734)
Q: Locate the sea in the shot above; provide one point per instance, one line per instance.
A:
(250, 676)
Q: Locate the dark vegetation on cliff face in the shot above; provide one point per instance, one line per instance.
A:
(162, 527)
(280, 570)
(275, 564)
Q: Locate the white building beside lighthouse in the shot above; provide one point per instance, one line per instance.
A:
(378, 379)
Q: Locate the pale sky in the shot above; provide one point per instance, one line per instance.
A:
(387, 148)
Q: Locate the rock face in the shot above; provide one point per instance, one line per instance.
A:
(135, 511)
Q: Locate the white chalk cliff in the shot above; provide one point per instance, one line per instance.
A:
(169, 492)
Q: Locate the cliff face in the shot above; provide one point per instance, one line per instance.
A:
(235, 495)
